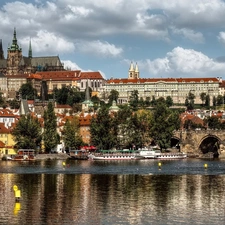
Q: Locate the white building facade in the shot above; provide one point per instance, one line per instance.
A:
(177, 88)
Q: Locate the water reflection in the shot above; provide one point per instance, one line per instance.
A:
(112, 199)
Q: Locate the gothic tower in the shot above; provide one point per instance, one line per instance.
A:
(30, 51)
(133, 72)
(14, 57)
(1, 50)
(136, 72)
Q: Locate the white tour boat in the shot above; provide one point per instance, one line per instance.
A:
(112, 155)
(157, 154)
(171, 155)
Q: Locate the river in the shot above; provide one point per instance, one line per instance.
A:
(113, 192)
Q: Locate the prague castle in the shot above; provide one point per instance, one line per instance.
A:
(17, 69)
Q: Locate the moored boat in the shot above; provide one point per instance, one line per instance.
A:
(79, 154)
(157, 154)
(147, 153)
(171, 155)
(24, 155)
(112, 155)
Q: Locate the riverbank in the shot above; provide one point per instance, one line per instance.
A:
(61, 156)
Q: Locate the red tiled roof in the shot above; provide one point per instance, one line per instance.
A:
(5, 130)
(85, 120)
(59, 75)
(2, 145)
(6, 113)
(91, 75)
(167, 80)
(63, 107)
(34, 76)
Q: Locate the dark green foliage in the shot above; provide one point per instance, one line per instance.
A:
(207, 101)
(71, 136)
(14, 104)
(68, 95)
(219, 100)
(203, 97)
(27, 91)
(96, 101)
(134, 100)
(50, 136)
(213, 122)
(113, 96)
(2, 101)
(190, 101)
(163, 124)
(169, 101)
(27, 133)
(103, 130)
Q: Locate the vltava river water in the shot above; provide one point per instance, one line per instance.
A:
(113, 193)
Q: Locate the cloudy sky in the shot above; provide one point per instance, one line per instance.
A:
(167, 38)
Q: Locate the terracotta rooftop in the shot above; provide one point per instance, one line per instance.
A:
(167, 80)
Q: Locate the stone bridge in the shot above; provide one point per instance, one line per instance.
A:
(201, 142)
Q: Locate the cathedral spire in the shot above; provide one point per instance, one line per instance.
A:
(136, 73)
(1, 50)
(87, 92)
(30, 50)
(131, 71)
(136, 68)
(131, 67)
(14, 45)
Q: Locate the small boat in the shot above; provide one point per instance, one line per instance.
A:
(24, 155)
(112, 155)
(171, 155)
(157, 154)
(79, 154)
(147, 153)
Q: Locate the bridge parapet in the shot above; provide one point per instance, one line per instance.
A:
(190, 140)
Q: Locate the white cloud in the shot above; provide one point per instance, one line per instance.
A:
(100, 48)
(47, 42)
(71, 65)
(183, 62)
(189, 34)
(221, 37)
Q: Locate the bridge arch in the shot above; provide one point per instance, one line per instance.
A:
(175, 142)
(210, 144)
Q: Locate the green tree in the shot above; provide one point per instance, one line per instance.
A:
(163, 124)
(14, 104)
(213, 122)
(219, 100)
(134, 100)
(114, 95)
(153, 102)
(147, 101)
(203, 97)
(27, 132)
(207, 101)
(103, 130)
(2, 100)
(190, 101)
(71, 136)
(27, 91)
(169, 101)
(68, 95)
(50, 136)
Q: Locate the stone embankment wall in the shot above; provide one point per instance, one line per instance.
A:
(62, 156)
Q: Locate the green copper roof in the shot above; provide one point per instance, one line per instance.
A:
(14, 45)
